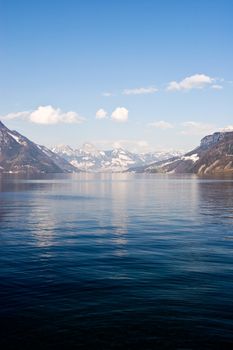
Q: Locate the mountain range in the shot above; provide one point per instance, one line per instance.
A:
(89, 158)
(20, 155)
(214, 155)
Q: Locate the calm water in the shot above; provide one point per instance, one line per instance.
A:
(116, 262)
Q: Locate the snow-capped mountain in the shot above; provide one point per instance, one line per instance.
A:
(89, 158)
(20, 155)
(213, 156)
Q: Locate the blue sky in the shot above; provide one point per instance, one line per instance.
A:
(158, 71)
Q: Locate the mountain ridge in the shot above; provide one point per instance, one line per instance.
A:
(214, 155)
(18, 154)
(89, 158)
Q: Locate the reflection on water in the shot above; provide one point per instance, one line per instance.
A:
(116, 261)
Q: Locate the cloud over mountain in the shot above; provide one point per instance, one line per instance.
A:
(47, 115)
(197, 128)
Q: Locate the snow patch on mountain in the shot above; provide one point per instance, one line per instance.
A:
(89, 158)
(194, 157)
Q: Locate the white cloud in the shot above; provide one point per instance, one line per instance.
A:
(50, 115)
(197, 81)
(107, 94)
(120, 115)
(227, 128)
(140, 91)
(131, 145)
(196, 128)
(161, 125)
(217, 87)
(101, 114)
(47, 115)
(16, 115)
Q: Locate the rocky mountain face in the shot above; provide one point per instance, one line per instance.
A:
(20, 155)
(89, 158)
(213, 156)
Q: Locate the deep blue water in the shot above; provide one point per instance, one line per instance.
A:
(116, 262)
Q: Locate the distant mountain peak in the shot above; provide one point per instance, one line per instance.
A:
(89, 148)
(89, 158)
(212, 139)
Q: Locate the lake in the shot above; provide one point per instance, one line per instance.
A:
(116, 261)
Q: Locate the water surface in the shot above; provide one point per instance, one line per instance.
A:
(116, 261)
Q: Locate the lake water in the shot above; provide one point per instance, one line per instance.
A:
(116, 262)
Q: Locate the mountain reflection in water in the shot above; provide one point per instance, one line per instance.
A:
(116, 261)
